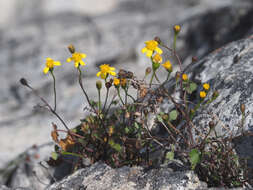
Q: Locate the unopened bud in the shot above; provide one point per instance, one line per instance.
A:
(242, 107)
(98, 84)
(211, 124)
(148, 70)
(177, 29)
(23, 81)
(177, 75)
(215, 94)
(108, 85)
(194, 59)
(71, 48)
(157, 39)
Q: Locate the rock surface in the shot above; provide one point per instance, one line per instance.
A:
(101, 176)
(42, 29)
(228, 70)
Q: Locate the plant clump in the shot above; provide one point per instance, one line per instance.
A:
(117, 129)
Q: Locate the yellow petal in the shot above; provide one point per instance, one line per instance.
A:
(48, 59)
(76, 64)
(158, 50)
(69, 59)
(45, 70)
(112, 68)
(99, 73)
(57, 63)
(144, 50)
(113, 73)
(103, 75)
(149, 53)
(83, 55)
(82, 63)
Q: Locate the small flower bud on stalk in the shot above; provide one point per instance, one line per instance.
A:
(148, 70)
(23, 81)
(194, 59)
(158, 40)
(71, 48)
(215, 94)
(211, 124)
(98, 84)
(242, 107)
(108, 84)
(177, 29)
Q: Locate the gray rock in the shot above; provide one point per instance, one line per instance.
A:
(229, 70)
(102, 177)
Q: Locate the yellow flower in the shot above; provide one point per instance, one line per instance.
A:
(116, 81)
(77, 58)
(206, 86)
(167, 65)
(123, 83)
(177, 29)
(50, 63)
(157, 58)
(202, 94)
(151, 46)
(105, 69)
(185, 77)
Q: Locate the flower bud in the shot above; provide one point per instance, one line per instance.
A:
(202, 94)
(157, 39)
(194, 59)
(108, 85)
(184, 77)
(211, 124)
(242, 107)
(215, 94)
(148, 70)
(23, 81)
(98, 84)
(177, 29)
(71, 48)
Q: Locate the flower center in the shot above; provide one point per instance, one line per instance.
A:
(105, 68)
(151, 45)
(76, 57)
(50, 64)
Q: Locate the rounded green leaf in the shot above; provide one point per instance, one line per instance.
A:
(173, 115)
(54, 155)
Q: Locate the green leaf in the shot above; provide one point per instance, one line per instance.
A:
(114, 145)
(170, 155)
(54, 155)
(173, 115)
(117, 147)
(127, 130)
(193, 86)
(136, 125)
(194, 158)
(159, 118)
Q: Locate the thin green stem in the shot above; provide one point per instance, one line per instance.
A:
(52, 74)
(125, 96)
(81, 85)
(120, 96)
(157, 78)
(151, 80)
(99, 101)
(106, 98)
(175, 42)
(48, 106)
(131, 97)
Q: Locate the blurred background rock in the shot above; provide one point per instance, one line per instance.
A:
(109, 32)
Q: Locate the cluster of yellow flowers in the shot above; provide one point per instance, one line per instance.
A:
(151, 48)
(77, 57)
(206, 87)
